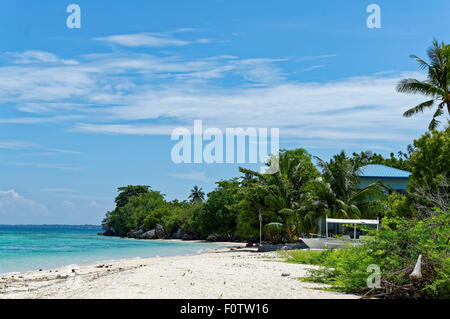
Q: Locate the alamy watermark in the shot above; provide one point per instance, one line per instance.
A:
(221, 146)
(374, 279)
(74, 19)
(374, 19)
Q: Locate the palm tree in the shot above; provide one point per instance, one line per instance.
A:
(436, 86)
(339, 194)
(282, 189)
(197, 195)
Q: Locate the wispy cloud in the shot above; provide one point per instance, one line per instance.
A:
(42, 165)
(119, 93)
(316, 57)
(58, 190)
(123, 129)
(12, 145)
(16, 145)
(195, 176)
(32, 57)
(149, 40)
(40, 119)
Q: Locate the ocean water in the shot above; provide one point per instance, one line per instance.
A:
(24, 248)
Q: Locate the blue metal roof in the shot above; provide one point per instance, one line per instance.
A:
(382, 171)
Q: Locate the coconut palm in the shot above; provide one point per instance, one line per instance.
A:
(282, 188)
(436, 86)
(339, 195)
(197, 195)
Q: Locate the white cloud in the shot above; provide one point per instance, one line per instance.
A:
(58, 190)
(124, 129)
(39, 120)
(148, 40)
(13, 203)
(95, 204)
(30, 57)
(119, 93)
(42, 165)
(68, 204)
(195, 176)
(15, 144)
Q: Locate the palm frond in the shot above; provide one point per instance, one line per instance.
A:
(418, 108)
(434, 123)
(423, 64)
(414, 86)
(374, 191)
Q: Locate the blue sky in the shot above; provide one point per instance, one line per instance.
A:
(86, 110)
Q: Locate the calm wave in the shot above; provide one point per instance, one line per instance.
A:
(25, 248)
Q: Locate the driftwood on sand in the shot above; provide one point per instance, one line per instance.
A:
(397, 285)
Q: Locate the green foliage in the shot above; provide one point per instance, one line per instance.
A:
(338, 194)
(277, 195)
(398, 206)
(197, 195)
(275, 231)
(395, 252)
(431, 158)
(218, 214)
(126, 192)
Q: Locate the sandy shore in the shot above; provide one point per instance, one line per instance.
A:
(224, 273)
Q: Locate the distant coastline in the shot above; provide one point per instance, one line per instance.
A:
(85, 226)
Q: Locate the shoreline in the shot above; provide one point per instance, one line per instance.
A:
(220, 273)
(225, 245)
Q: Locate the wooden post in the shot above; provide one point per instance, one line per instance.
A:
(326, 226)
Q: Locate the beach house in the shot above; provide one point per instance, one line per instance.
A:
(396, 178)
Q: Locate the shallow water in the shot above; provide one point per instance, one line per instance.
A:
(24, 248)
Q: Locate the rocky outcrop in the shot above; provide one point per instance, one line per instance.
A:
(186, 235)
(157, 233)
(108, 232)
(213, 237)
(135, 233)
(160, 232)
(151, 234)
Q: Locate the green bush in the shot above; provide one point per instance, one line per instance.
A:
(395, 252)
(275, 231)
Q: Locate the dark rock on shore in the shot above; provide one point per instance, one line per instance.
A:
(109, 232)
(151, 234)
(271, 247)
(156, 233)
(213, 237)
(160, 232)
(186, 235)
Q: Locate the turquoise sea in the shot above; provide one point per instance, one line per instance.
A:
(24, 248)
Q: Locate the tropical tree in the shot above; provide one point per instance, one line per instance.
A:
(219, 214)
(436, 86)
(278, 195)
(197, 195)
(127, 192)
(338, 194)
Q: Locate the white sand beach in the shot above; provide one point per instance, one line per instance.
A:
(223, 273)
